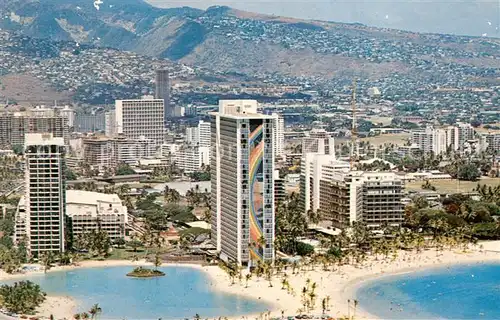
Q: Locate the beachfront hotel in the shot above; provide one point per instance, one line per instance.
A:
(45, 193)
(242, 185)
(86, 211)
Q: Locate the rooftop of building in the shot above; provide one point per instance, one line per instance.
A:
(42, 139)
(90, 198)
(142, 99)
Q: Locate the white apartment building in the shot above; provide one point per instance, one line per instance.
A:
(439, 140)
(191, 158)
(143, 118)
(318, 141)
(431, 140)
(93, 210)
(312, 167)
(242, 186)
(69, 114)
(491, 141)
(110, 123)
(279, 135)
(199, 135)
(45, 197)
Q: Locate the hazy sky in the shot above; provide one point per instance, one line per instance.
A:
(474, 17)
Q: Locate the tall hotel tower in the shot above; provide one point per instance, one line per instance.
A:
(242, 163)
(45, 193)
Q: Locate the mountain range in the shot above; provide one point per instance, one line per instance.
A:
(230, 40)
(467, 17)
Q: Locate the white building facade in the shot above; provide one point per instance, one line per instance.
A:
(144, 118)
(45, 194)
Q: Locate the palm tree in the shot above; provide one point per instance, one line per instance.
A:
(47, 259)
(77, 316)
(85, 316)
(248, 276)
(158, 261)
(95, 310)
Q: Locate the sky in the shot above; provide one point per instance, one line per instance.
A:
(469, 17)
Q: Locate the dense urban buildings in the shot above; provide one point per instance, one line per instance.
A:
(45, 193)
(85, 212)
(15, 125)
(242, 171)
(442, 140)
(139, 119)
(102, 152)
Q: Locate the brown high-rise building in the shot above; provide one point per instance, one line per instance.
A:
(163, 91)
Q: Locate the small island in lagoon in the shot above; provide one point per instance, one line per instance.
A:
(141, 272)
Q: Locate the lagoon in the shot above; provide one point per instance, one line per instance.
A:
(469, 291)
(182, 293)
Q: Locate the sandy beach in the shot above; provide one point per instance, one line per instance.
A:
(339, 283)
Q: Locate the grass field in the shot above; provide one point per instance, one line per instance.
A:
(383, 120)
(399, 139)
(451, 186)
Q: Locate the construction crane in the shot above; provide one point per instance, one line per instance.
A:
(354, 130)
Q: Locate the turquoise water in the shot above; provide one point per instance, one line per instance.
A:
(182, 293)
(459, 292)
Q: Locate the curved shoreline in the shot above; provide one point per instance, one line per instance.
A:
(339, 285)
(448, 259)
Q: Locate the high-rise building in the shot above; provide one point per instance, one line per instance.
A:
(45, 193)
(94, 122)
(163, 91)
(110, 123)
(433, 140)
(199, 135)
(143, 118)
(312, 165)
(318, 141)
(14, 126)
(491, 141)
(69, 114)
(374, 198)
(242, 168)
(279, 135)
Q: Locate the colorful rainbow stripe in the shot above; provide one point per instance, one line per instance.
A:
(256, 156)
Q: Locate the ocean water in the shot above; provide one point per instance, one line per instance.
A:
(459, 292)
(181, 294)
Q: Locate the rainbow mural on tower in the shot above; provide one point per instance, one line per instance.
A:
(256, 145)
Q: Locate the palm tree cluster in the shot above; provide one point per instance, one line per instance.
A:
(21, 297)
(308, 296)
(194, 197)
(93, 313)
(171, 195)
(290, 225)
(96, 242)
(10, 258)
